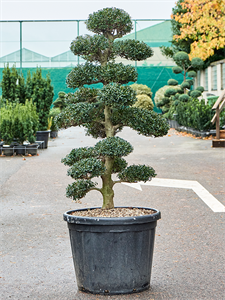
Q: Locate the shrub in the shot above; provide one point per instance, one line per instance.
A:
(172, 82)
(18, 121)
(144, 102)
(141, 89)
(195, 114)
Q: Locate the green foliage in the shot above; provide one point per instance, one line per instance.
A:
(86, 168)
(185, 85)
(37, 88)
(172, 82)
(200, 89)
(132, 49)
(111, 22)
(54, 112)
(136, 173)
(144, 102)
(115, 95)
(191, 74)
(195, 114)
(195, 93)
(177, 70)
(79, 189)
(141, 89)
(169, 92)
(79, 153)
(105, 111)
(88, 47)
(113, 147)
(184, 98)
(92, 74)
(60, 101)
(181, 58)
(18, 121)
(197, 63)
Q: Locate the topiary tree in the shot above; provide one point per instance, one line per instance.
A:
(144, 95)
(60, 101)
(40, 90)
(104, 112)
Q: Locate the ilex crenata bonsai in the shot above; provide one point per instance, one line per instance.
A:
(105, 111)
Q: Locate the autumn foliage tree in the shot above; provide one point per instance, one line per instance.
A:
(204, 23)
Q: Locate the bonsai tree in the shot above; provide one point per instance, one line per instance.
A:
(104, 112)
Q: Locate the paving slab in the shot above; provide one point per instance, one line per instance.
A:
(36, 260)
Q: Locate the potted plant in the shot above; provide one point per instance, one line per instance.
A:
(112, 246)
(40, 90)
(18, 123)
(54, 112)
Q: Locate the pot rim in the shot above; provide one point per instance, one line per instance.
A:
(111, 221)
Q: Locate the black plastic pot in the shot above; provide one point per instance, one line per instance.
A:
(43, 136)
(20, 149)
(7, 150)
(32, 149)
(112, 255)
(54, 134)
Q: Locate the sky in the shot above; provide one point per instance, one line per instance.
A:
(53, 38)
(79, 10)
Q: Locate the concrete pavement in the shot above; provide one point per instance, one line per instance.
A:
(36, 260)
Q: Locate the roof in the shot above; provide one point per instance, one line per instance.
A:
(28, 56)
(154, 36)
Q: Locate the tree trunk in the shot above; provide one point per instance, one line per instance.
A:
(107, 185)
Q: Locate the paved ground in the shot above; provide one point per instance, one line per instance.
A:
(189, 254)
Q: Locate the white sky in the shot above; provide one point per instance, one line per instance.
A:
(78, 10)
(53, 38)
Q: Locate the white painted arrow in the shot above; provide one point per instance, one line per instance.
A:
(208, 198)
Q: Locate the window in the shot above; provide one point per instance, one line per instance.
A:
(206, 76)
(198, 78)
(223, 76)
(214, 78)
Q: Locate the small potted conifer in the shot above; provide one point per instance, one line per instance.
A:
(112, 246)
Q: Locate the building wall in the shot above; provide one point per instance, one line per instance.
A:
(212, 79)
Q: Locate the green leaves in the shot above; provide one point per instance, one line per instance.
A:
(86, 168)
(111, 22)
(136, 173)
(91, 74)
(115, 95)
(132, 49)
(79, 153)
(113, 147)
(144, 121)
(79, 189)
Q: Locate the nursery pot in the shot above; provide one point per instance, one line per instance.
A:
(54, 134)
(20, 149)
(43, 136)
(112, 255)
(31, 149)
(7, 150)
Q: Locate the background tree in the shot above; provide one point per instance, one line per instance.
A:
(203, 22)
(40, 90)
(184, 44)
(104, 112)
(183, 92)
